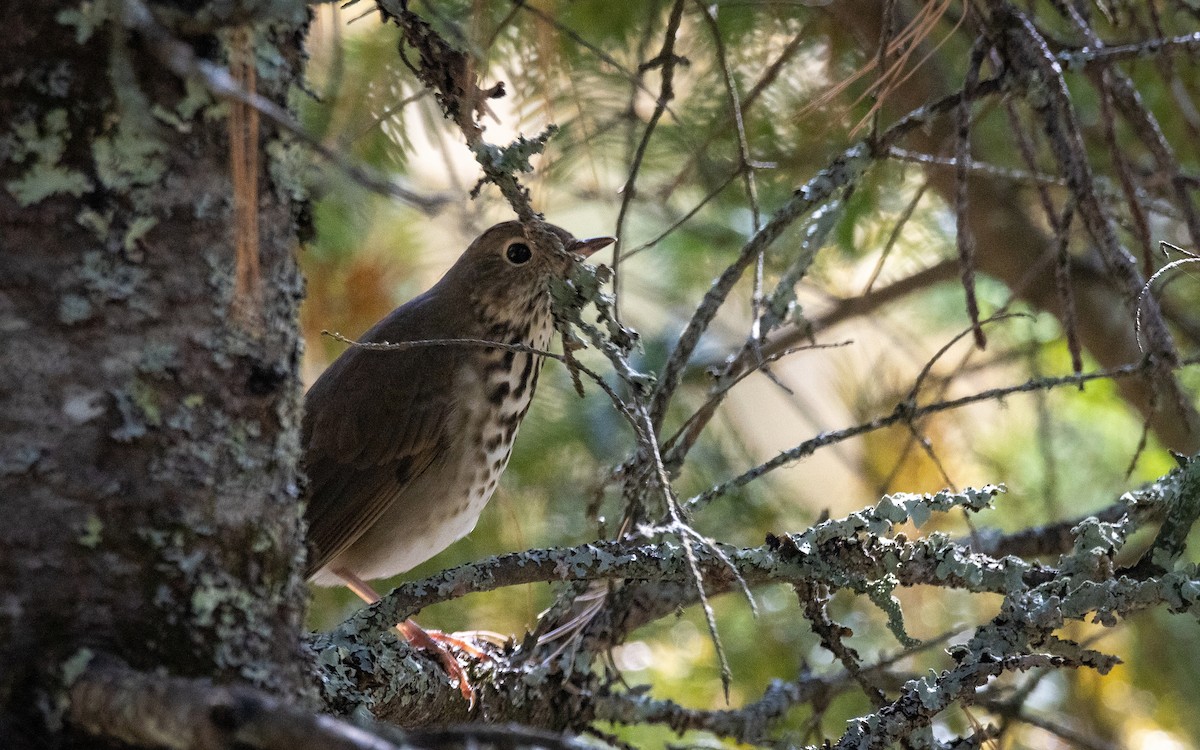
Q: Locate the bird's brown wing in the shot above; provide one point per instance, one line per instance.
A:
(373, 422)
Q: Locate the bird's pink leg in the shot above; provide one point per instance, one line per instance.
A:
(432, 641)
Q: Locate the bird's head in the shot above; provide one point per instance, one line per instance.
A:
(505, 266)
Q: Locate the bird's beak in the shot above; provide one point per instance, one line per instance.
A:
(587, 247)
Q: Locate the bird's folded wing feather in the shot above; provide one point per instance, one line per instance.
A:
(374, 422)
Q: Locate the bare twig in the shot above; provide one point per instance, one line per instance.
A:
(976, 167)
(844, 170)
(769, 76)
(894, 236)
(666, 60)
(745, 162)
(1124, 93)
(548, 19)
(841, 172)
(683, 219)
(572, 363)
(962, 158)
(1104, 54)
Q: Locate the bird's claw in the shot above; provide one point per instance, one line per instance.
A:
(436, 643)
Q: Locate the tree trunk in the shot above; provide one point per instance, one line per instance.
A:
(148, 435)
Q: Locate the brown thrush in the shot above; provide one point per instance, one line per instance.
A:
(404, 447)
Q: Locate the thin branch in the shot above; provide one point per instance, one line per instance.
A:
(861, 560)
(666, 59)
(1025, 49)
(1073, 737)
(907, 411)
(769, 76)
(680, 443)
(571, 363)
(1105, 55)
(851, 307)
(1062, 232)
(685, 218)
(748, 724)
(1114, 82)
(894, 237)
(976, 167)
(579, 39)
(962, 158)
(1055, 538)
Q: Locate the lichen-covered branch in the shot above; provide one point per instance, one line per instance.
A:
(559, 692)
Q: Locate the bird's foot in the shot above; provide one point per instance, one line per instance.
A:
(435, 642)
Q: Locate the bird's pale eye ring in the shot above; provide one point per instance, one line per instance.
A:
(518, 253)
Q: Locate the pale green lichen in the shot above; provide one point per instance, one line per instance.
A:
(127, 158)
(880, 593)
(95, 222)
(895, 509)
(45, 145)
(74, 309)
(148, 401)
(292, 169)
(131, 426)
(196, 98)
(74, 666)
(42, 181)
(138, 229)
(243, 442)
(92, 528)
(843, 171)
(85, 18)
(782, 305)
(217, 602)
(158, 357)
(1094, 537)
(927, 691)
(270, 64)
(109, 278)
(514, 157)
(54, 705)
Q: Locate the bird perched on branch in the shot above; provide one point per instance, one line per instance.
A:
(403, 447)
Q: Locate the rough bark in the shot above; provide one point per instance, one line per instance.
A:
(148, 439)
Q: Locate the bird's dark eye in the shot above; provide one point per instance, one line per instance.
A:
(518, 253)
